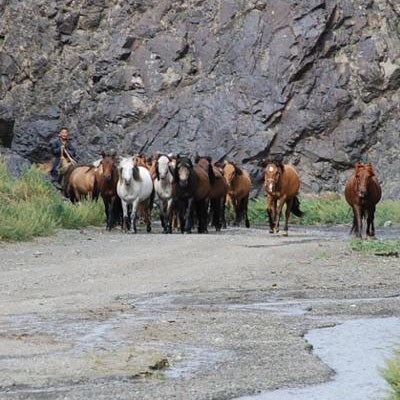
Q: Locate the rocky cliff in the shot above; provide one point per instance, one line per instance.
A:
(316, 81)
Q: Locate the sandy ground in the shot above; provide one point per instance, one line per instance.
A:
(96, 315)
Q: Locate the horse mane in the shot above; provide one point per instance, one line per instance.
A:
(368, 166)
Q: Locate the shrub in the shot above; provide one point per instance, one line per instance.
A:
(31, 206)
(391, 373)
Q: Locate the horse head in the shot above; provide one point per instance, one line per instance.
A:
(272, 174)
(108, 164)
(363, 174)
(183, 170)
(164, 166)
(128, 170)
(231, 170)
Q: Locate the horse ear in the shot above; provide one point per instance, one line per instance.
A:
(238, 170)
(103, 153)
(196, 158)
(264, 163)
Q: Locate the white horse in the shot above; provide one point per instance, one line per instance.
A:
(134, 186)
(163, 185)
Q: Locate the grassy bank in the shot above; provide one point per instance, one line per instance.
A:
(392, 375)
(327, 210)
(31, 206)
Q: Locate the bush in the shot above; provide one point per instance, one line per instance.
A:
(31, 206)
(391, 373)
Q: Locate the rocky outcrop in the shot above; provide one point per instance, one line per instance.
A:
(315, 81)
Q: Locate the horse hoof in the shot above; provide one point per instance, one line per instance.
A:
(148, 229)
(371, 237)
(285, 233)
(247, 224)
(271, 231)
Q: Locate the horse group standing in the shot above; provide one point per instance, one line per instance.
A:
(186, 191)
(189, 191)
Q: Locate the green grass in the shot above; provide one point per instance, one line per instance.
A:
(30, 206)
(387, 246)
(326, 210)
(391, 373)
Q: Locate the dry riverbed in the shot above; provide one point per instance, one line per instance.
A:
(97, 315)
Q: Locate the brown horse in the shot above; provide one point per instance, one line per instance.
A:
(363, 192)
(239, 186)
(79, 182)
(281, 183)
(107, 178)
(218, 190)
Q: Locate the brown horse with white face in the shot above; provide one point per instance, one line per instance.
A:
(363, 192)
(281, 184)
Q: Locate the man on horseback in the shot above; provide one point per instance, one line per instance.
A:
(61, 148)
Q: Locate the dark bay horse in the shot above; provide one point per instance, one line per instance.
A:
(363, 192)
(281, 184)
(184, 190)
(107, 178)
(218, 190)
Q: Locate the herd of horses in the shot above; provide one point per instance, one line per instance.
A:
(190, 192)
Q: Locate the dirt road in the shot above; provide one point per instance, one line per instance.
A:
(97, 315)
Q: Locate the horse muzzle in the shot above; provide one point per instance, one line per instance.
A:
(362, 194)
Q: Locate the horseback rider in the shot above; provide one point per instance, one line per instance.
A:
(61, 147)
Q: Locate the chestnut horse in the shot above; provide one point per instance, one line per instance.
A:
(107, 178)
(239, 186)
(363, 192)
(79, 182)
(218, 190)
(281, 183)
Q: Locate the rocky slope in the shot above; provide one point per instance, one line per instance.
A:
(316, 81)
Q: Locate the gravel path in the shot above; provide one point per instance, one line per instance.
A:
(96, 315)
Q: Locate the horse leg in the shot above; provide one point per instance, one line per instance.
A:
(370, 222)
(216, 213)
(271, 213)
(289, 204)
(245, 207)
(278, 209)
(169, 215)
(125, 223)
(182, 207)
(148, 216)
(358, 221)
(189, 216)
(162, 215)
(134, 215)
(223, 206)
(106, 209)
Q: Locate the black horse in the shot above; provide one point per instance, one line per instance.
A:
(185, 183)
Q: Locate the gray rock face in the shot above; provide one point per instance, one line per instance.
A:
(316, 81)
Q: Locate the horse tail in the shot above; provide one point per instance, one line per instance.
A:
(296, 207)
(96, 190)
(211, 175)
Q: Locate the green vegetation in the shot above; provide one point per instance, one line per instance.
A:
(327, 210)
(381, 247)
(391, 373)
(31, 206)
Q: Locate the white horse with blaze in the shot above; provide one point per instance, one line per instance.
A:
(134, 186)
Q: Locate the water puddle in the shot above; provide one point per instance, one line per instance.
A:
(355, 350)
